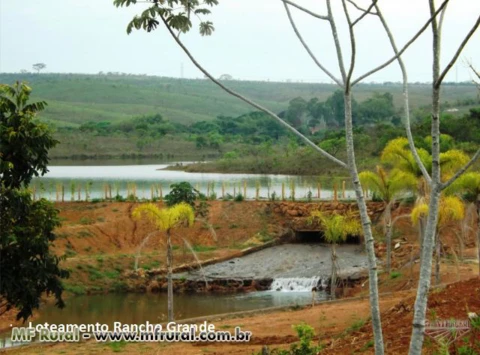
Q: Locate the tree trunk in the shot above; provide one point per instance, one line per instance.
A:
(437, 258)
(388, 235)
(169, 276)
(366, 225)
(420, 308)
(333, 278)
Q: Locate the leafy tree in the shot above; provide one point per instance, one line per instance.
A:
(24, 142)
(451, 209)
(182, 192)
(333, 145)
(388, 186)
(28, 267)
(295, 112)
(39, 66)
(336, 228)
(376, 109)
(166, 220)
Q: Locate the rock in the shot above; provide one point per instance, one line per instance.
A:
(396, 246)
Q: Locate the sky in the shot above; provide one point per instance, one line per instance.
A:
(253, 40)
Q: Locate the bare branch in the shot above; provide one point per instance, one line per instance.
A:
(306, 10)
(408, 129)
(470, 65)
(457, 54)
(338, 47)
(307, 48)
(250, 102)
(365, 13)
(361, 9)
(461, 171)
(352, 44)
(400, 52)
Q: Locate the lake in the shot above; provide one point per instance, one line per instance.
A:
(149, 180)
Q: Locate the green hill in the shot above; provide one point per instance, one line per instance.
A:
(77, 98)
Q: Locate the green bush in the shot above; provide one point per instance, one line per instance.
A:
(306, 334)
(239, 198)
(182, 192)
(395, 275)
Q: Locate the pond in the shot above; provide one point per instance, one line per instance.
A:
(147, 181)
(139, 308)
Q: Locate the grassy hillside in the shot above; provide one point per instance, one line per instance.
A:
(75, 98)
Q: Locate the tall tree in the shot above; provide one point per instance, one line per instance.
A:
(38, 67)
(29, 269)
(166, 220)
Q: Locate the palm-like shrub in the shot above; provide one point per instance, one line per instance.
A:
(165, 220)
(451, 209)
(388, 187)
(469, 185)
(336, 229)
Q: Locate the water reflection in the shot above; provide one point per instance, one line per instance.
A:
(139, 308)
(148, 179)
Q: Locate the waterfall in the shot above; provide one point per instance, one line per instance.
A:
(297, 284)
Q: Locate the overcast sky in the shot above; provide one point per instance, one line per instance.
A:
(253, 40)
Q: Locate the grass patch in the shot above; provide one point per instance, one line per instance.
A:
(117, 346)
(395, 275)
(84, 233)
(356, 326)
(369, 344)
(70, 253)
(94, 274)
(203, 248)
(75, 289)
(86, 221)
(111, 274)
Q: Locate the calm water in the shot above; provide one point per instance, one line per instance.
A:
(139, 308)
(148, 179)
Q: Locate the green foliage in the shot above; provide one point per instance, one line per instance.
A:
(203, 248)
(167, 218)
(336, 227)
(24, 142)
(27, 233)
(117, 346)
(395, 274)
(175, 14)
(239, 198)
(181, 192)
(305, 333)
(75, 289)
(388, 186)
